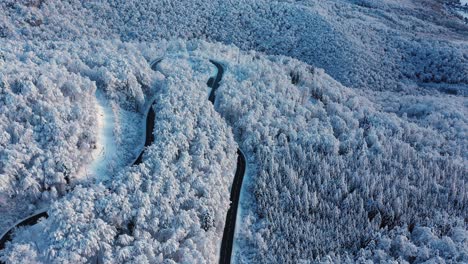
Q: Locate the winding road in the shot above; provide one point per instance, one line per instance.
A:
(213, 82)
(150, 118)
(149, 138)
(230, 224)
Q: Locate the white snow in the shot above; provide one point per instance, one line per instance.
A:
(463, 13)
(303, 191)
(181, 190)
(105, 151)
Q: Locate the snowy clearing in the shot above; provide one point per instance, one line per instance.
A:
(104, 152)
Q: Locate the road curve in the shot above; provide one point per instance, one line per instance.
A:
(154, 63)
(150, 119)
(230, 224)
(26, 222)
(149, 138)
(213, 82)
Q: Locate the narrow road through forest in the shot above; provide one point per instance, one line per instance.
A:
(230, 224)
(149, 138)
(26, 222)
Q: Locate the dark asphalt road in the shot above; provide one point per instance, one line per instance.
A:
(155, 63)
(28, 221)
(150, 118)
(230, 224)
(213, 82)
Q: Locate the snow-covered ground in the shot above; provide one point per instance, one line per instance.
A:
(105, 152)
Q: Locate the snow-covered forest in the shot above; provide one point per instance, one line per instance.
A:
(43, 144)
(352, 116)
(376, 44)
(178, 196)
(49, 126)
(336, 174)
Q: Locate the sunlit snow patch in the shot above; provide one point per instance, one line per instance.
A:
(105, 151)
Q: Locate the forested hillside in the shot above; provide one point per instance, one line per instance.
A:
(379, 45)
(43, 113)
(48, 113)
(351, 114)
(332, 175)
(336, 175)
